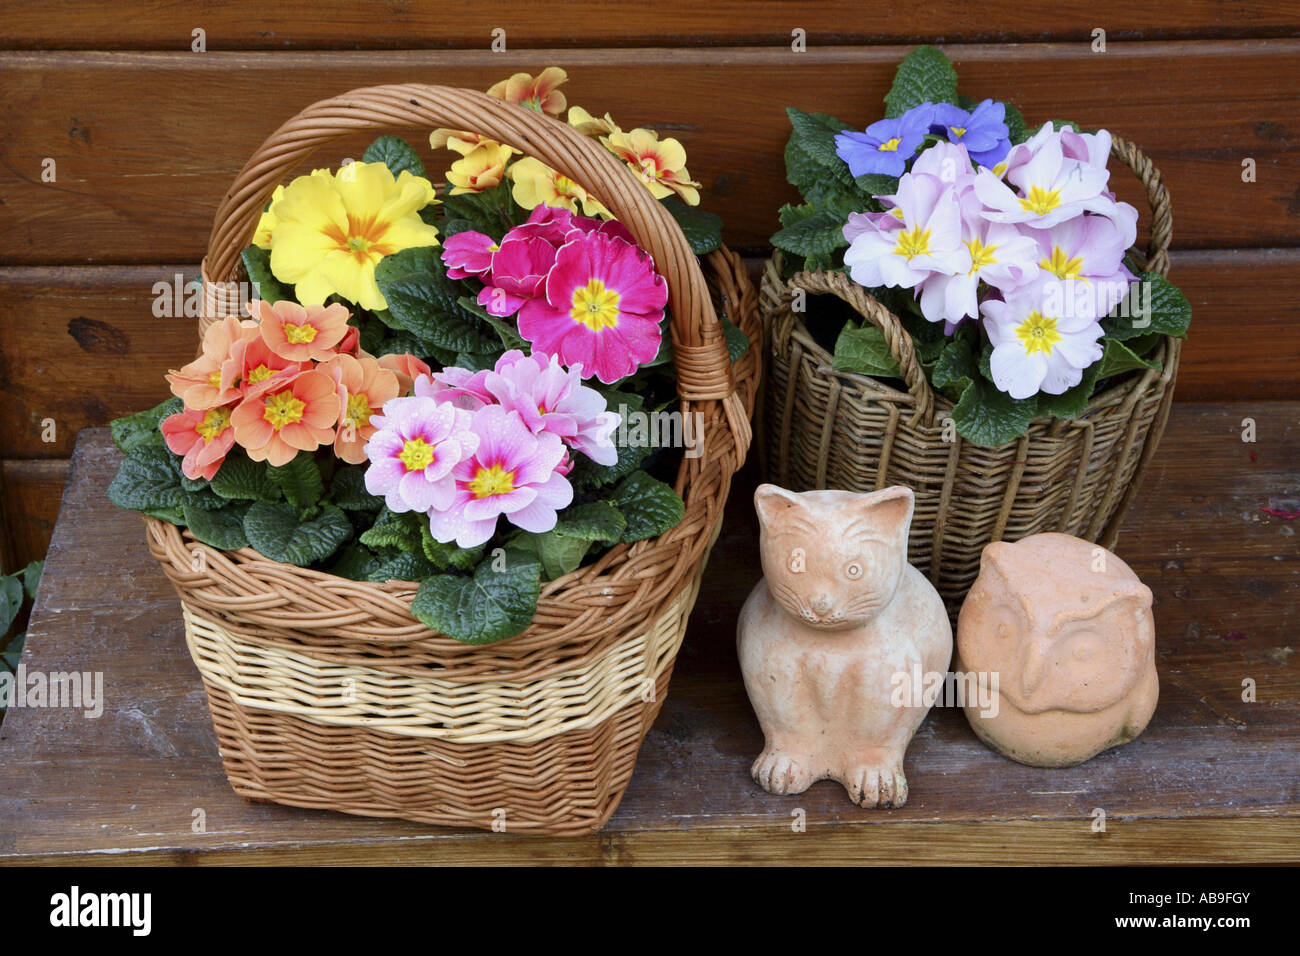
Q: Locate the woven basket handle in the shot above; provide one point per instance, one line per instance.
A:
(699, 345)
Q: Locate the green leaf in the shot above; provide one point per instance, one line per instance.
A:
(1073, 402)
(586, 473)
(149, 479)
(395, 153)
(595, 521)
(32, 578)
(488, 212)
(703, 230)
(11, 601)
(737, 340)
(816, 183)
(811, 233)
(813, 136)
(299, 479)
(1118, 358)
(174, 514)
(990, 417)
(955, 367)
(557, 554)
(449, 556)
(1017, 131)
(348, 490)
(13, 652)
(239, 478)
(144, 427)
(874, 184)
(394, 530)
(277, 532)
(257, 263)
(649, 506)
(508, 332)
(864, 351)
(925, 75)
(402, 566)
(498, 602)
(223, 529)
(1155, 307)
(423, 301)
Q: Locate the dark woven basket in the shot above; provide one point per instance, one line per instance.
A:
(830, 429)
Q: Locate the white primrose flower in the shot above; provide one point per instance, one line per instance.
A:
(927, 241)
(1041, 340)
(999, 254)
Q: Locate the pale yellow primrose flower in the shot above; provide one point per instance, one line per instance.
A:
(536, 184)
(479, 169)
(589, 125)
(265, 225)
(332, 229)
(660, 164)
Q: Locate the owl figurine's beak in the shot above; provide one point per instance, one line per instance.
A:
(1035, 667)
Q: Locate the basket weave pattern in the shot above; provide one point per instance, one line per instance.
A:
(327, 693)
(831, 429)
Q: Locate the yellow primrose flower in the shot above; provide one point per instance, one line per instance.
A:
(540, 94)
(660, 164)
(266, 224)
(589, 125)
(332, 229)
(536, 184)
(458, 140)
(483, 167)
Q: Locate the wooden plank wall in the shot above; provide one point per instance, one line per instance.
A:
(144, 134)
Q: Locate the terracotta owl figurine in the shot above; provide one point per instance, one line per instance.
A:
(1067, 628)
(823, 638)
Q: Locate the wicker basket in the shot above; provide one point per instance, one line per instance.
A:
(830, 429)
(327, 693)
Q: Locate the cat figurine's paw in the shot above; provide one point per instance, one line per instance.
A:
(877, 785)
(780, 773)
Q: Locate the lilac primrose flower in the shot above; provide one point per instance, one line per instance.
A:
(928, 241)
(983, 131)
(419, 442)
(885, 146)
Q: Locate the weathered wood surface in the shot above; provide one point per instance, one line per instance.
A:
(1214, 779)
(145, 144)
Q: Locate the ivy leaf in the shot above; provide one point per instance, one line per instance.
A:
(990, 417)
(395, 153)
(864, 351)
(423, 301)
(1155, 307)
(649, 506)
(496, 603)
(1118, 358)
(257, 263)
(144, 427)
(703, 230)
(348, 490)
(299, 479)
(148, 480)
(222, 528)
(243, 479)
(925, 75)
(277, 532)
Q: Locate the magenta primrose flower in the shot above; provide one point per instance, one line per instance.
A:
(467, 254)
(512, 472)
(602, 309)
(412, 455)
(459, 386)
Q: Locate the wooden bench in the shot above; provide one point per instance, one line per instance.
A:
(1214, 779)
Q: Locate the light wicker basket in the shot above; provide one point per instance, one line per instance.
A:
(327, 693)
(824, 428)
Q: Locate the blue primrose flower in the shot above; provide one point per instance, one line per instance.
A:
(983, 131)
(885, 147)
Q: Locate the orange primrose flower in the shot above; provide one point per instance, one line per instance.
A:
(299, 333)
(406, 367)
(213, 378)
(203, 437)
(363, 387)
(296, 416)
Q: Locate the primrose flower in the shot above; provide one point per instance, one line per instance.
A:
(203, 436)
(885, 146)
(406, 367)
(298, 415)
(541, 93)
(363, 386)
(331, 230)
(261, 370)
(480, 169)
(519, 268)
(999, 255)
(512, 472)
(468, 254)
(602, 309)
(417, 443)
(457, 386)
(1050, 187)
(536, 184)
(300, 333)
(266, 225)
(213, 378)
(983, 130)
(927, 241)
(550, 398)
(589, 125)
(1086, 247)
(1040, 343)
(660, 164)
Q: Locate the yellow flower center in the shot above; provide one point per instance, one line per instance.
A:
(888, 146)
(299, 334)
(980, 255)
(897, 213)
(215, 379)
(1041, 201)
(492, 481)
(999, 169)
(358, 412)
(914, 242)
(282, 409)
(363, 239)
(215, 421)
(1061, 265)
(1038, 333)
(958, 130)
(260, 374)
(416, 454)
(595, 306)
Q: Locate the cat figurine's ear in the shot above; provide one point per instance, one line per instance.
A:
(890, 509)
(774, 503)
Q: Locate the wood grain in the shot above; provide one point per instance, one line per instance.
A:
(29, 504)
(1213, 779)
(146, 143)
(342, 24)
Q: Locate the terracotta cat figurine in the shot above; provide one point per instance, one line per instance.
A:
(839, 613)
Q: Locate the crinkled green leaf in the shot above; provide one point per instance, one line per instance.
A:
(1118, 358)
(32, 578)
(144, 427)
(348, 490)
(277, 532)
(988, 416)
(498, 602)
(242, 479)
(1170, 312)
(423, 301)
(1017, 131)
(449, 556)
(149, 479)
(395, 153)
(399, 530)
(223, 528)
(737, 340)
(956, 367)
(300, 480)
(257, 263)
(649, 506)
(925, 75)
(864, 351)
(703, 230)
